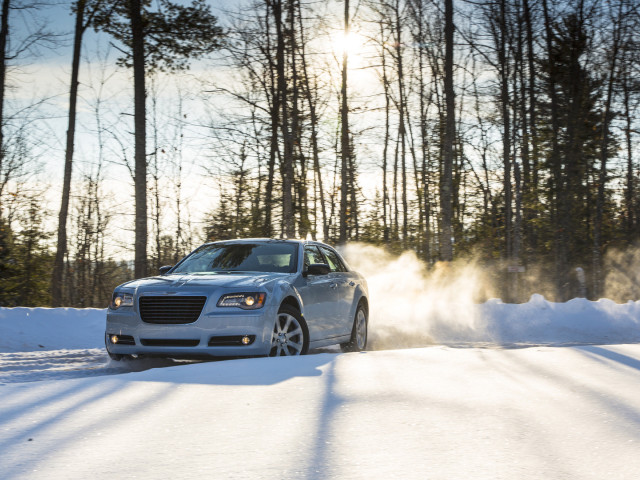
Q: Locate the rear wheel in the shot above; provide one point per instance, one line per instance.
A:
(359, 334)
(290, 334)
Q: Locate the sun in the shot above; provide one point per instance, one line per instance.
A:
(352, 44)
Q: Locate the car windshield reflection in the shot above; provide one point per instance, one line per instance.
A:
(238, 258)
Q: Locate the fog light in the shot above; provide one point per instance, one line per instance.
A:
(114, 339)
(246, 340)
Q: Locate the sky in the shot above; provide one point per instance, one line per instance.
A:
(45, 73)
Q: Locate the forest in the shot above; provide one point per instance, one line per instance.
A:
(498, 132)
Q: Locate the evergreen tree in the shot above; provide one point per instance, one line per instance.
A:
(220, 224)
(571, 184)
(7, 265)
(31, 261)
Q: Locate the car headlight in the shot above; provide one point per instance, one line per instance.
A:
(121, 300)
(246, 301)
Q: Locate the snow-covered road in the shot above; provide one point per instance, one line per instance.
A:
(439, 412)
(472, 409)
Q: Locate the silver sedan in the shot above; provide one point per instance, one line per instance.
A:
(242, 298)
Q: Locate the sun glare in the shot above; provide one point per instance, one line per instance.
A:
(351, 43)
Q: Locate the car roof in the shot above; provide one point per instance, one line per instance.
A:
(265, 239)
(249, 240)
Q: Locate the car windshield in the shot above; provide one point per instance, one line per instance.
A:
(241, 257)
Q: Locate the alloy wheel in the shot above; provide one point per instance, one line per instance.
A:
(288, 336)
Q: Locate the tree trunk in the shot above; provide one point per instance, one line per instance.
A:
(302, 205)
(532, 190)
(446, 184)
(560, 247)
(604, 155)
(506, 133)
(402, 131)
(345, 152)
(4, 34)
(313, 124)
(61, 248)
(385, 149)
(155, 175)
(629, 192)
(424, 140)
(267, 230)
(287, 163)
(140, 157)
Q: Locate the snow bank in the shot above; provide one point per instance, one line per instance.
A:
(32, 329)
(538, 322)
(576, 321)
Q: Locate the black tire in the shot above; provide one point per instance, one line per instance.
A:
(118, 357)
(359, 336)
(290, 333)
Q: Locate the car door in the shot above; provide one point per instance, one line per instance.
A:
(343, 287)
(318, 297)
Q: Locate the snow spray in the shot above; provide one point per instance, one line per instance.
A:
(622, 281)
(412, 306)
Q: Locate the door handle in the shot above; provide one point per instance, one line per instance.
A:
(333, 285)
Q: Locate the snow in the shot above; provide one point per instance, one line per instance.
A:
(33, 329)
(464, 404)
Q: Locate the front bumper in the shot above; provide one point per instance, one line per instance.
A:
(255, 324)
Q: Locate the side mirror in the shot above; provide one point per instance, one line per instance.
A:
(165, 269)
(318, 269)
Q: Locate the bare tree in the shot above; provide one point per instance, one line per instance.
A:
(446, 184)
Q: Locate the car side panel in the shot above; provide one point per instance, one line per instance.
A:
(341, 321)
(318, 305)
(349, 299)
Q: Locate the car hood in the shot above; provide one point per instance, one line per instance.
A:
(235, 280)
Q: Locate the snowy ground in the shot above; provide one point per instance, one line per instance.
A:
(466, 404)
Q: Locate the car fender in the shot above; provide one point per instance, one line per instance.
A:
(360, 293)
(284, 289)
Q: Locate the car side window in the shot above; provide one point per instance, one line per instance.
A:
(334, 261)
(312, 255)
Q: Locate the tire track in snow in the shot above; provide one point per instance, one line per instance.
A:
(18, 367)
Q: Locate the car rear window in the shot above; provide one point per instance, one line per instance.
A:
(241, 257)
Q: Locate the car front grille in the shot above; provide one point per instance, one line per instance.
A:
(171, 310)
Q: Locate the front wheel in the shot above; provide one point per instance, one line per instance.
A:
(115, 356)
(290, 334)
(359, 334)
(118, 357)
